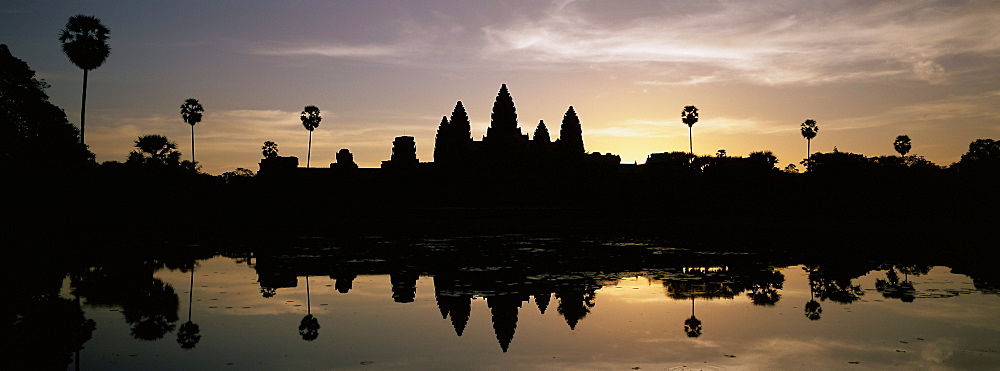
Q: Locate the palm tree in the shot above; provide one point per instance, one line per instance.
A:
(310, 120)
(188, 334)
(690, 116)
(85, 42)
(270, 149)
(309, 326)
(154, 150)
(191, 112)
(809, 130)
(902, 144)
(813, 310)
(692, 326)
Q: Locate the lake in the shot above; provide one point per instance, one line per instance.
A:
(526, 302)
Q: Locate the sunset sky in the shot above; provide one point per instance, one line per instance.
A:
(866, 71)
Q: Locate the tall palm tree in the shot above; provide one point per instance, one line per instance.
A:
(85, 42)
(310, 120)
(809, 130)
(902, 144)
(690, 116)
(191, 112)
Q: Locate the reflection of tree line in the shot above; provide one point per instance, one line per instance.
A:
(505, 276)
(46, 331)
(545, 270)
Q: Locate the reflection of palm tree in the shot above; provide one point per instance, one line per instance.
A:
(310, 120)
(813, 309)
(268, 292)
(188, 334)
(892, 288)
(692, 326)
(85, 42)
(309, 327)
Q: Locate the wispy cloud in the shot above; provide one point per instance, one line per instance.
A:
(775, 43)
(974, 108)
(671, 129)
(333, 50)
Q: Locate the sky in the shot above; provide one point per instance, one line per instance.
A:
(866, 71)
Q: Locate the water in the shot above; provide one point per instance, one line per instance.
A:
(596, 307)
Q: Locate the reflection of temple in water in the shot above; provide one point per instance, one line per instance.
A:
(509, 276)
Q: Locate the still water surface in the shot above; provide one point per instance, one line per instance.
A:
(252, 313)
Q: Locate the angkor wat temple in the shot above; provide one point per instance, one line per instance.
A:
(504, 147)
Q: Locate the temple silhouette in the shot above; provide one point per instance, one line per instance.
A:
(505, 147)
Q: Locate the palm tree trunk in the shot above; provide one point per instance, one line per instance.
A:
(192, 145)
(309, 151)
(691, 140)
(191, 294)
(83, 108)
(808, 153)
(308, 300)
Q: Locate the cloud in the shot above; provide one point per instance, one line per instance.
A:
(966, 108)
(333, 50)
(669, 129)
(771, 44)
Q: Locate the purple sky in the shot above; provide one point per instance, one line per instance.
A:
(867, 71)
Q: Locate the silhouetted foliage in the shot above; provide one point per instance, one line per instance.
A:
(902, 144)
(892, 288)
(765, 286)
(85, 42)
(237, 176)
(310, 120)
(43, 331)
(983, 157)
(151, 310)
(764, 160)
(309, 328)
(689, 116)
(838, 163)
(270, 149)
(692, 327)
(809, 130)
(34, 133)
(191, 113)
(157, 153)
(188, 335)
(814, 311)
